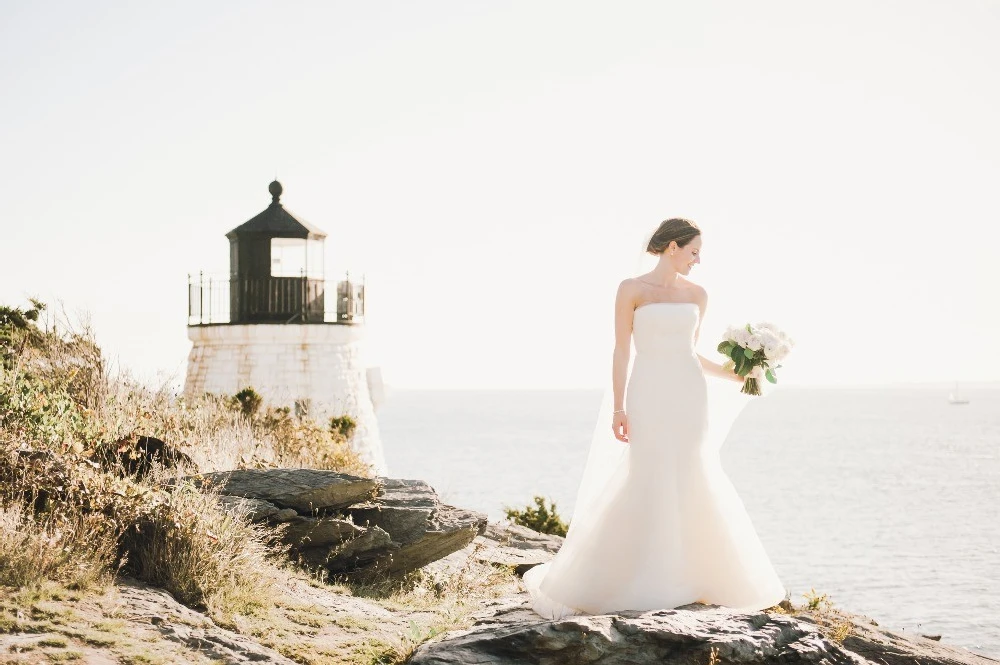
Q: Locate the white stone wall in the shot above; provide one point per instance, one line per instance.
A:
(322, 363)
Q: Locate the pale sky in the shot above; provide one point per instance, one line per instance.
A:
(492, 168)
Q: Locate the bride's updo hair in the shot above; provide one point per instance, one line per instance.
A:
(678, 229)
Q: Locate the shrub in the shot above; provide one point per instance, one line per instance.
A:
(343, 426)
(248, 401)
(542, 518)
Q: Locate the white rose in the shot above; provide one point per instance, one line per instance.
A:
(754, 343)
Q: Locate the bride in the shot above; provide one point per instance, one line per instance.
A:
(657, 523)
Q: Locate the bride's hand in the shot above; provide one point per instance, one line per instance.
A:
(619, 425)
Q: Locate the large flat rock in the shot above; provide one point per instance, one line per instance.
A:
(691, 635)
(303, 490)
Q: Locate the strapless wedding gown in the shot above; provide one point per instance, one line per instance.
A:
(670, 528)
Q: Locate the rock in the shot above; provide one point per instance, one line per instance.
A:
(135, 456)
(186, 627)
(392, 526)
(519, 547)
(358, 554)
(423, 528)
(680, 636)
(887, 647)
(690, 635)
(284, 515)
(307, 532)
(520, 537)
(304, 490)
(257, 510)
(449, 529)
(401, 507)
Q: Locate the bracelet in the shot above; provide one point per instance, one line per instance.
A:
(618, 411)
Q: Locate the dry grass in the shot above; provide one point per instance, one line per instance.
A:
(436, 600)
(833, 623)
(206, 557)
(74, 548)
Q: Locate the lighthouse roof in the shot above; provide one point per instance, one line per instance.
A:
(276, 222)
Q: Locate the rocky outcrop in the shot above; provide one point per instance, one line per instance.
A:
(692, 635)
(349, 525)
(306, 491)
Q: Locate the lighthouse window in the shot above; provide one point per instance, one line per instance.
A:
(288, 257)
(314, 258)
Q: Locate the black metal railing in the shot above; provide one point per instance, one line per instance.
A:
(217, 300)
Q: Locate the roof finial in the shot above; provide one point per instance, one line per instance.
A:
(275, 189)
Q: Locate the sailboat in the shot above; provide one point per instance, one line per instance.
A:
(956, 397)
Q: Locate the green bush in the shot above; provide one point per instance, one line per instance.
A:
(343, 426)
(542, 518)
(248, 400)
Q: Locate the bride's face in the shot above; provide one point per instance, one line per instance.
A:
(685, 258)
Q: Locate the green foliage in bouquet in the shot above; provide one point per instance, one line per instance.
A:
(745, 360)
(541, 518)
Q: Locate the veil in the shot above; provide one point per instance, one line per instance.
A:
(606, 461)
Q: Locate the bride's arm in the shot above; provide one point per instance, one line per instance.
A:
(624, 309)
(708, 367)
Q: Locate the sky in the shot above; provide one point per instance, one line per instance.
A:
(493, 167)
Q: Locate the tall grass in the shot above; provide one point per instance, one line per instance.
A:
(207, 557)
(75, 550)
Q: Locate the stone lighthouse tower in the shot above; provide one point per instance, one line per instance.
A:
(277, 325)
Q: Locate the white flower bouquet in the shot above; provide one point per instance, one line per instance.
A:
(754, 352)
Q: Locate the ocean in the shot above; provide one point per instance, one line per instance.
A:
(885, 500)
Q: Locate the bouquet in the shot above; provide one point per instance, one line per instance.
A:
(754, 352)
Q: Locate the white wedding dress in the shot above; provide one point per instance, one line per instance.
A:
(667, 528)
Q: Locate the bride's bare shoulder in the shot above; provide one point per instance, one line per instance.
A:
(628, 285)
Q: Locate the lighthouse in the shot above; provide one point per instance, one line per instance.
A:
(276, 324)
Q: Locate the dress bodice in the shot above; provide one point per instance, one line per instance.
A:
(665, 327)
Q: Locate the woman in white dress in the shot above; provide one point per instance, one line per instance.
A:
(657, 522)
